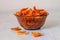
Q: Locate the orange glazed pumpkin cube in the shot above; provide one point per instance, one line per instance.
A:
(36, 34)
(22, 32)
(15, 29)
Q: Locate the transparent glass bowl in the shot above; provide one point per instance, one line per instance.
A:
(30, 22)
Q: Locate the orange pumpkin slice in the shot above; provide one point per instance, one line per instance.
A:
(21, 32)
(36, 34)
(16, 28)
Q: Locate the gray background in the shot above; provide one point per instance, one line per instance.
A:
(51, 29)
(16, 4)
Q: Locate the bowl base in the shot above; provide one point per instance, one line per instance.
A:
(32, 29)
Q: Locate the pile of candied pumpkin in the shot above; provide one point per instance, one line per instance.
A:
(31, 12)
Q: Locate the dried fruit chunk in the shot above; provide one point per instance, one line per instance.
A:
(43, 13)
(36, 34)
(21, 32)
(29, 12)
(15, 29)
(34, 8)
(17, 13)
(23, 9)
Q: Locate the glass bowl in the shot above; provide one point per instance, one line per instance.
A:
(30, 22)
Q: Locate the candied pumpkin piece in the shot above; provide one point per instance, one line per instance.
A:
(29, 12)
(16, 28)
(43, 13)
(24, 9)
(34, 8)
(17, 13)
(23, 13)
(36, 34)
(35, 13)
(22, 32)
(28, 23)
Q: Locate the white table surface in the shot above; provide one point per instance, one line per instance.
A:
(50, 31)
